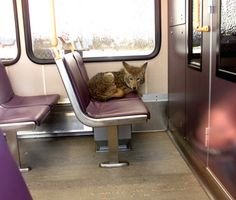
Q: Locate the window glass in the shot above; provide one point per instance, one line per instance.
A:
(99, 28)
(227, 51)
(8, 41)
(196, 37)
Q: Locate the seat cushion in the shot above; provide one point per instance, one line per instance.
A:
(24, 101)
(23, 114)
(117, 108)
(12, 185)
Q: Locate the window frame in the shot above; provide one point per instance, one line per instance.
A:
(30, 53)
(191, 56)
(17, 33)
(221, 73)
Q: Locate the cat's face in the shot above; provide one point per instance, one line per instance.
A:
(134, 76)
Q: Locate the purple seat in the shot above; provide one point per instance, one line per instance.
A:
(21, 118)
(118, 108)
(92, 113)
(78, 81)
(33, 114)
(20, 112)
(96, 109)
(12, 184)
(27, 101)
(9, 100)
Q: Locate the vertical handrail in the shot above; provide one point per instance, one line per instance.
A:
(54, 41)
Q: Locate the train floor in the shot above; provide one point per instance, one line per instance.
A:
(66, 168)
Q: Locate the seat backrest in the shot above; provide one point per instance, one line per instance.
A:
(81, 66)
(79, 84)
(6, 91)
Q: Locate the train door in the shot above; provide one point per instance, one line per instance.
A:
(222, 132)
(197, 77)
(211, 88)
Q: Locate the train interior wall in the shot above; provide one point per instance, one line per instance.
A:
(45, 79)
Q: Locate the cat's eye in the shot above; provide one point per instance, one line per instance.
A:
(130, 78)
(138, 79)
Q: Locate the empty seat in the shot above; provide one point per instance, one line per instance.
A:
(9, 100)
(12, 184)
(37, 100)
(18, 119)
(21, 112)
(92, 113)
(34, 114)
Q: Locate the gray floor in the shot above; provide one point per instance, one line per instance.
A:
(67, 169)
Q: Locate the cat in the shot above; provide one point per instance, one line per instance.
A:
(106, 85)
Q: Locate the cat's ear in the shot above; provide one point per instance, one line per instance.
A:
(144, 66)
(126, 67)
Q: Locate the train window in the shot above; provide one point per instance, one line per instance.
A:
(226, 62)
(101, 29)
(9, 35)
(195, 40)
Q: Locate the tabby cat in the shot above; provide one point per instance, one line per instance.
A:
(106, 85)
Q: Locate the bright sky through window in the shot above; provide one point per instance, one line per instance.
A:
(97, 25)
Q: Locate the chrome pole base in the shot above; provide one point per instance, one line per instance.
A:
(113, 150)
(113, 165)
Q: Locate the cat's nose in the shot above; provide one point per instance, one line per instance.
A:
(134, 88)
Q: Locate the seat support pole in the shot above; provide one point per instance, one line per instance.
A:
(113, 146)
(12, 142)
